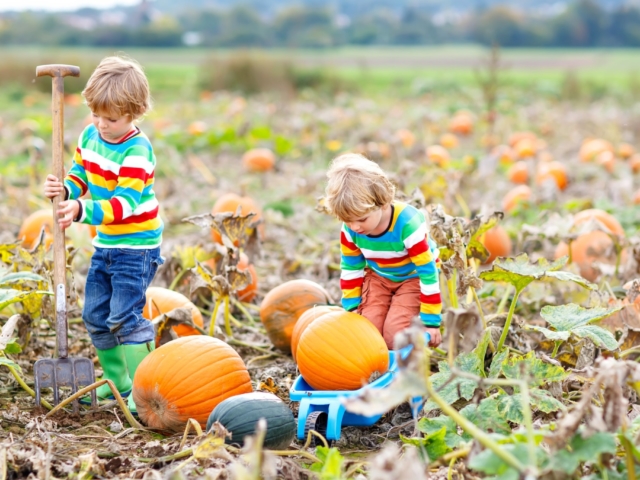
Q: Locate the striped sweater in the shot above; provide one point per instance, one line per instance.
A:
(403, 251)
(119, 177)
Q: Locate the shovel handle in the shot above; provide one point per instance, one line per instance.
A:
(58, 72)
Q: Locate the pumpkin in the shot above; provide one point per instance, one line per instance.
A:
(341, 351)
(305, 320)
(498, 242)
(515, 196)
(554, 171)
(197, 128)
(592, 246)
(519, 172)
(525, 148)
(230, 202)
(461, 123)
(282, 306)
(240, 415)
(162, 300)
(33, 224)
(516, 137)
(607, 160)
(187, 378)
(406, 137)
(636, 198)
(439, 155)
(634, 162)
(504, 154)
(448, 140)
(259, 160)
(592, 147)
(626, 150)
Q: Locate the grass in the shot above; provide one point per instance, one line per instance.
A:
(174, 73)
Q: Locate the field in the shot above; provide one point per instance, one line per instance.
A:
(537, 376)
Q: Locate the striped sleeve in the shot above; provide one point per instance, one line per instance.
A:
(424, 256)
(76, 180)
(136, 172)
(352, 265)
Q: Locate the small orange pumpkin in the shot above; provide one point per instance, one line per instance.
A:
(439, 155)
(449, 140)
(305, 320)
(406, 137)
(187, 378)
(230, 202)
(341, 351)
(498, 242)
(162, 300)
(515, 196)
(259, 160)
(592, 147)
(461, 123)
(555, 171)
(33, 224)
(519, 172)
(282, 306)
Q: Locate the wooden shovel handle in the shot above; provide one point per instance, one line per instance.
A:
(58, 72)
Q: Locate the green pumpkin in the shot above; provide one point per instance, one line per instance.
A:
(240, 414)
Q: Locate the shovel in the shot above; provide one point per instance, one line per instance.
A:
(74, 372)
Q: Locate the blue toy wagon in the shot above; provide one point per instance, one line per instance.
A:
(323, 411)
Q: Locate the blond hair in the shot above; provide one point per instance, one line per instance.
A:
(356, 187)
(118, 87)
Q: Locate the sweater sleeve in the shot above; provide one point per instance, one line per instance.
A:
(75, 181)
(352, 263)
(424, 255)
(136, 171)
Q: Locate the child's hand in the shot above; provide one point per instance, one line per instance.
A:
(436, 336)
(67, 212)
(52, 186)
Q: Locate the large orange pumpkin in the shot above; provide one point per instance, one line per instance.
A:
(341, 351)
(306, 319)
(187, 378)
(32, 225)
(229, 203)
(162, 300)
(282, 306)
(592, 246)
(498, 242)
(259, 160)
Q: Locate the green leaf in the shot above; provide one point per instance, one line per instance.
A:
(486, 416)
(433, 425)
(582, 450)
(9, 296)
(260, 132)
(434, 444)
(459, 387)
(282, 145)
(520, 272)
(533, 369)
(572, 319)
(20, 278)
(13, 347)
(510, 406)
(550, 334)
(478, 226)
(10, 363)
(7, 251)
(490, 464)
(496, 363)
(331, 462)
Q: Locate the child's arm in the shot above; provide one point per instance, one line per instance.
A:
(352, 265)
(136, 171)
(414, 236)
(75, 183)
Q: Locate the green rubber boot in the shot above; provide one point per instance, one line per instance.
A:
(134, 355)
(114, 366)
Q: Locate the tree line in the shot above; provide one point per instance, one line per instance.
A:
(583, 23)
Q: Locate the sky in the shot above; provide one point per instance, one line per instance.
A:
(58, 5)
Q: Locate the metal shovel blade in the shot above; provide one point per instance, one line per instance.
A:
(74, 373)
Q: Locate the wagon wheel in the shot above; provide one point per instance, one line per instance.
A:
(317, 421)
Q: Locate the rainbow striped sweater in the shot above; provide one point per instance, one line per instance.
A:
(119, 177)
(404, 251)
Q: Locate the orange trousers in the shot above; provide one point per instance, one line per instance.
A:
(390, 306)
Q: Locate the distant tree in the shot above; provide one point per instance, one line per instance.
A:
(305, 27)
(208, 23)
(583, 24)
(499, 25)
(415, 28)
(375, 28)
(624, 27)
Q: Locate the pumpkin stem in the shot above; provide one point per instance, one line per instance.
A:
(213, 317)
(227, 323)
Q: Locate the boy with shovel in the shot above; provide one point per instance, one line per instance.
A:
(115, 163)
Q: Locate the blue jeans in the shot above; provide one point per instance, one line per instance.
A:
(115, 296)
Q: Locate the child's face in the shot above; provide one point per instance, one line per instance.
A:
(112, 128)
(369, 224)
